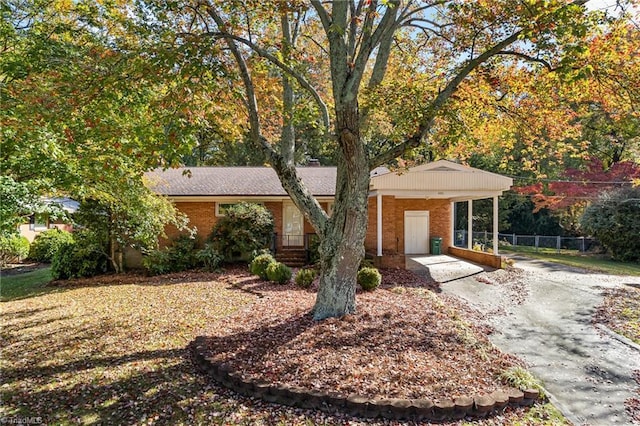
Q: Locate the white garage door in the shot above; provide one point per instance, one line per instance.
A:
(416, 232)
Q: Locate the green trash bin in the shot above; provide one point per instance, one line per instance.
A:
(436, 245)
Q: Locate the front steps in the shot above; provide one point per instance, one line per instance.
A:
(292, 257)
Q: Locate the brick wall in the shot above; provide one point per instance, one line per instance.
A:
(393, 222)
(202, 215)
(495, 261)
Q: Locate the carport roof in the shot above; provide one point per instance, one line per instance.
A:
(441, 179)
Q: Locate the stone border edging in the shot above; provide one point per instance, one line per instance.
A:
(454, 408)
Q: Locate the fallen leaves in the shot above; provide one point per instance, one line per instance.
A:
(112, 350)
(620, 311)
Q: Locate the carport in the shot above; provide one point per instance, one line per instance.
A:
(408, 208)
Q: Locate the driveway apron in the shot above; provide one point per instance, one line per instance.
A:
(586, 368)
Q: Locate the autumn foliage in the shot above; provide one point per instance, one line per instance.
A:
(581, 186)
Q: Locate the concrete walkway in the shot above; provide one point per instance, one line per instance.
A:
(587, 369)
(443, 268)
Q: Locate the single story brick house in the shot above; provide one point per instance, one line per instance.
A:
(406, 209)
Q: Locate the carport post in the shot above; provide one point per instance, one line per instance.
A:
(379, 224)
(495, 225)
(470, 225)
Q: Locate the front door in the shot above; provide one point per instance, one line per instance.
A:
(293, 224)
(416, 232)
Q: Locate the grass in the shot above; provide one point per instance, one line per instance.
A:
(112, 350)
(18, 286)
(596, 263)
(620, 311)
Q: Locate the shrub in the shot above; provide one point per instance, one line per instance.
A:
(305, 277)
(157, 262)
(13, 248)
(278, 273)
(245, 228)
(83, 257)
(369, 278)
(260, 263)
(47, 243)
(210, 258)
(181, 255)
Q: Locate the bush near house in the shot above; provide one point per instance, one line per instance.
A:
(47, 244)
(305, 277)
(181, 255)
(13, 248)
(210, 258)
(84, 256)
(279, 273)
(260, 263)
(369, 278)
(246, 228)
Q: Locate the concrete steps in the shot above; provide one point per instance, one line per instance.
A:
(292, 257)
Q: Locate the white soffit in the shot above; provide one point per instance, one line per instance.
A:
(441, 176)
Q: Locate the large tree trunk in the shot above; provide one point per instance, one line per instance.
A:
(342, 248)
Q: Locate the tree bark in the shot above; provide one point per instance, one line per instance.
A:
(342, 248)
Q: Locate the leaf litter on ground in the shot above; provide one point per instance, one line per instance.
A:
(112, 349)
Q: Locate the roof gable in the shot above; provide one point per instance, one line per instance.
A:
(442, 176)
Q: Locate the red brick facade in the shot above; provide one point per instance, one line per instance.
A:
(393, 222)
(202, 216)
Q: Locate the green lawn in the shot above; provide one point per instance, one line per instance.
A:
(592, 262)
(14, 287)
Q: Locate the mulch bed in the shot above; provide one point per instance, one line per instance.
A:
(403, 342)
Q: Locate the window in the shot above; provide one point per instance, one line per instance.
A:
(38, 222)
(221, 208)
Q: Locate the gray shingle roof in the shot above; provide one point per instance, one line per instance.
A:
(237, 181)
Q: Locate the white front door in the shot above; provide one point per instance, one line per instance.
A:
(416, 232)
(293, 224)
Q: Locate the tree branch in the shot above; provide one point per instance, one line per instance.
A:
(432, 110)
(324, 111)
(528, 58)
(286, 172)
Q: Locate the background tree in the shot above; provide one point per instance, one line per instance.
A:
(86, 110)
(613, 220)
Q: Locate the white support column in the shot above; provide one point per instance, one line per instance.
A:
(379, 224)
(495, 225)
(470, 225)
(452, 231)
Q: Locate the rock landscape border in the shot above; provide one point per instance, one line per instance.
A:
(449, 408)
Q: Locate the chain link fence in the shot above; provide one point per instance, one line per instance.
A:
(484, 240)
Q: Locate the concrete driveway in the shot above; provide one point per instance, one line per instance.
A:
(542, 313)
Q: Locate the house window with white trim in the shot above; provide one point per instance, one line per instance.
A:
(39, 222)
(221, 208)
